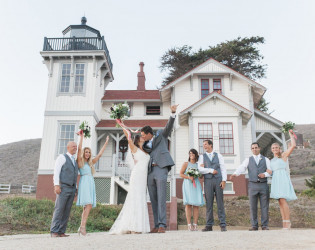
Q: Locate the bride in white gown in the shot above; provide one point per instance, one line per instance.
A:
(134, 217)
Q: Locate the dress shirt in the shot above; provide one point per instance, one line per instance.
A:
(243, 167)
(204, 170)
(58, 165)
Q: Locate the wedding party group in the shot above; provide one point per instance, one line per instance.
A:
(150, 162)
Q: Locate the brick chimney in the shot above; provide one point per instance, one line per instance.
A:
(141, 78)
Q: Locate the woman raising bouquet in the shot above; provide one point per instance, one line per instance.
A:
(86, 193)
(281, 186)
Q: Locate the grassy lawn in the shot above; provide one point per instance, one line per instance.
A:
(22, 215)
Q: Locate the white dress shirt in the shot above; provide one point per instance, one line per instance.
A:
(204, 170)
(61, 159)
(243, 167)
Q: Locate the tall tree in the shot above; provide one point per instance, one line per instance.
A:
(240, 54)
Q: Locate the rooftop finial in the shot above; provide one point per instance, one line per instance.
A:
(83, 20)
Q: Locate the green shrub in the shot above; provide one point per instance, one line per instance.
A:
(311, 182)
(242, 197)
(309, 192)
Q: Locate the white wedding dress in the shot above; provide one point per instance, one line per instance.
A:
(134, 215)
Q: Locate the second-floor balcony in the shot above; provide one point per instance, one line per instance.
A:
(77, 43)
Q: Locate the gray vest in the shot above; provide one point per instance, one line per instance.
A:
(215, 164)
(69, 173)
(254, 170)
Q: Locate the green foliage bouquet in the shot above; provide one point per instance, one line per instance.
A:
(288, 128)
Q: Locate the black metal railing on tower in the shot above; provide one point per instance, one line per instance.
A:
(77, 43)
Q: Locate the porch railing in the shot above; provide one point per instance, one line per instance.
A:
(77, 43)
(121, 169)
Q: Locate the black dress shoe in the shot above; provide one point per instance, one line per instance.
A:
(253, 229)
(223, 229)
(207, 228)
(265, 228)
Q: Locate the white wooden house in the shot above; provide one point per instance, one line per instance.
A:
(215, 102)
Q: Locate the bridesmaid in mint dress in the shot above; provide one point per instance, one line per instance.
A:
(86, 193)
(281, 186)
(192, 196)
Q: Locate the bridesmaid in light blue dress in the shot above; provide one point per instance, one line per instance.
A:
(281, 186)
(192, 196)
(86, 193)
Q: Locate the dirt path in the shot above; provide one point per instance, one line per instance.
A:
(233, 239)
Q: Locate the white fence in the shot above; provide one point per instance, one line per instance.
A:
(5, 188)
(28, 189)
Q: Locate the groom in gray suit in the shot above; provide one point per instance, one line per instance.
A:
(258, 188)
(160, 164)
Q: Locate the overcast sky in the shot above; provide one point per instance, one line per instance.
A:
(142, 31)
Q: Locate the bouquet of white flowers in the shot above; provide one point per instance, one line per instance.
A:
(194, 172)
(119, 112)
(85, 129)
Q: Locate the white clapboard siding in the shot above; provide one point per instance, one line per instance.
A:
(56, 101)
(182, 147)
(215, 107)
(262, 124)
(212, 68)
(239, 93)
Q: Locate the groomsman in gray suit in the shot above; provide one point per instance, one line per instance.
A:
(257, 187)
(160, 164)
(65, 181)
(211, 165)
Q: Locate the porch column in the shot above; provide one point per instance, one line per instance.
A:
(240, 136)
(191, 130)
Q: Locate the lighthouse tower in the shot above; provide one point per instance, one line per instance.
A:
(79, 70)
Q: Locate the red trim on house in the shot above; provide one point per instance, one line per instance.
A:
(133, 123)
(131, 95)
(226, 138)
(219, 94)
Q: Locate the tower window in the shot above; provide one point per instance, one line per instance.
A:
(69, 84)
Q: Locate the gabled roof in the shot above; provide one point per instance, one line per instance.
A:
(135, 124)
(226, 68)
(269, 118)
(245, 112)
(134, 95)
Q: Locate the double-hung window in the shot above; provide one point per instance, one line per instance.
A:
(67, 84)
(204, 87)
(205, 132)
(66, 133)
(217, 86)
(226, 138)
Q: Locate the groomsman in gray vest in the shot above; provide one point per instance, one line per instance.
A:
(258, 188)
(65, 181)
(211, 165)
